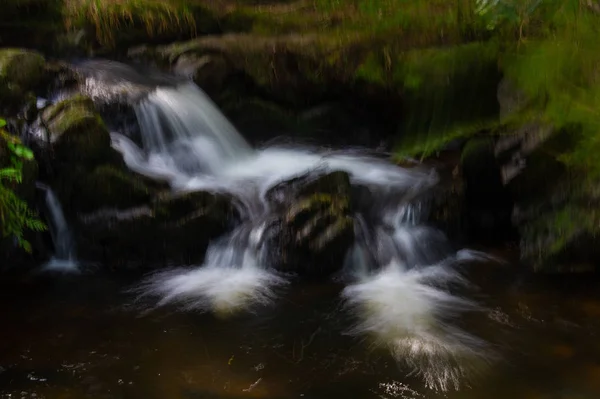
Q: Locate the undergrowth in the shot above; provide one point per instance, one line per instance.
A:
(108, 17)
(15, 215)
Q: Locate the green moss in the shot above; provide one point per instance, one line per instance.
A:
(21, 67)
(78, 133)
(21, 71)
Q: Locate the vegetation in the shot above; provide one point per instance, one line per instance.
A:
(15, 214)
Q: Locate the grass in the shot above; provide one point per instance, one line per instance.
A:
(108, 17)
(422, 21)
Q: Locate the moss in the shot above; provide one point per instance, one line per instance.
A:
(432, 83)
(77, 132)
(20, 67)
(21, 71)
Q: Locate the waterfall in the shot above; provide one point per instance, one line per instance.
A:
(184, 131)
(399, 274)
(64, 258)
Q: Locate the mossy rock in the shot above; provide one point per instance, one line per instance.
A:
(77, 132)
(173, 207)
(23, 68)
(557, 208)
(21, 71)
(175, 228)
(109, 186)
(317, 227)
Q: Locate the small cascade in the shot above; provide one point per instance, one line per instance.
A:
(64, 258)
(400, 273)
(233, 278)
(185, 132)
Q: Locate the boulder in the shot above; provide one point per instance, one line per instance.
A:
(21, 71)
(317, 227)
(112, 187)
(77, 133)
(22, 68)
(174, 229)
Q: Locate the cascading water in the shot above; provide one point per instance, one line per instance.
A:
(399, 271)
(64, 258)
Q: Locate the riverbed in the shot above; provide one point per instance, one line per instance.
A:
(76, 336)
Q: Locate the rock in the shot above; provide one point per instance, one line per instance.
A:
(488, 202)
(21, 71)
(23, 68)
(77, 132)
(288, 67)
(446, 202)
(556, 209)
(521, 138)
(208, 71)
(109, 186)
(317, 228)
(173, 229)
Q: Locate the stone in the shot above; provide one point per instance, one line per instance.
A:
(21, 71)
(175, 228)
(21, 67)
(109, 186)
(317, 227)
(77, 132)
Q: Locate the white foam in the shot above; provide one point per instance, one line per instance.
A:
(398, 296)
(410, 312)
(224, 289)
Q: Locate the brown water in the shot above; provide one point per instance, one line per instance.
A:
(77, 337)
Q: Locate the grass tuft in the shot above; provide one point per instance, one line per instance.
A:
(108, 17)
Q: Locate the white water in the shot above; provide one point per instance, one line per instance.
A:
(400, 270)
(64, 259)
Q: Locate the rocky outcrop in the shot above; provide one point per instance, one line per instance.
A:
(316, 227)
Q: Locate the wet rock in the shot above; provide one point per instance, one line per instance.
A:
(21, 71)
(488, 202)
(208, 71)
(108, 186)
(20, 67)
(288, 67)
(317, 228)
(446, 202)
(77, 132)
(173, 229)
(556, 209)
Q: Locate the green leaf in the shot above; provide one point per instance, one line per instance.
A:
(10, 173)
(2, 123)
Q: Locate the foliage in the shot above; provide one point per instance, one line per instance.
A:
(15, 214)
(513, 12)
(109, 17)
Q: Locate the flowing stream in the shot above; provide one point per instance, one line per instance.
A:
(64, 258)
(397, 275)
(402, 319)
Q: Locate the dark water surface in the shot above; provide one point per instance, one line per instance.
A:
(79, 337)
